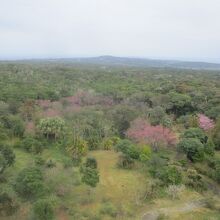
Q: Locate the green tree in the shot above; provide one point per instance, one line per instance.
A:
(156, 115)
(179, 103)
(193, 148)
(52, 128)
(29, 182)
(77, 148)
(216, 135)
(7, 157)
(90, 176)
(196, 133)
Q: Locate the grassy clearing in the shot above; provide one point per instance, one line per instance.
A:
(116, 191)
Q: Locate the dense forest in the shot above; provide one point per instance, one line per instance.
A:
(91, 142)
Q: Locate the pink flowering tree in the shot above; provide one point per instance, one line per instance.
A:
(205, 122)
(141, 131)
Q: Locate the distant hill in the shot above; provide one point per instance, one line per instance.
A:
(133, 62)
(141, 62)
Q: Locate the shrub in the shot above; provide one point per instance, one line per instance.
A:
(123, 145)
(39, 161)
(90, 176)
(29, 183)
(170, 176)
(125, 162)
(107, 144)
(50, 163)
(91, 162)
(32, 145)
(195, 180)
(7, 157)
(108, 209)
(43, 210)
(7, 205)
(128, 148)
(77, 148)
(209, 147)
(145, 153)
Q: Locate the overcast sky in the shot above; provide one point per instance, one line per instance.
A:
(180, 29)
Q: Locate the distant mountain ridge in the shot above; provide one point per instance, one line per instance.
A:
(131, 62)
(142, 62)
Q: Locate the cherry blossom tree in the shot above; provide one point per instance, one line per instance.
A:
(141, 131)
(205, 122)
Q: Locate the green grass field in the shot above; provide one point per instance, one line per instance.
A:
(117, 190)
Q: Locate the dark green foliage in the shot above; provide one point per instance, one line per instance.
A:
(7, 157)
(128, 148)
(209, 147)
(216, 135)
(179, 104)
(193, 148)
(7, 205)
(91, 162)
(90, 176)
(14, 124)
(156, 163)
(122, 116)
(43, 210)
(157, 115)
(196, 133)
(31, 144)
(29, 183)
(170, 176)
(125, 161)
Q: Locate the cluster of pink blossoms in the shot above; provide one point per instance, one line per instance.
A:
(142, 131)
(205, 122)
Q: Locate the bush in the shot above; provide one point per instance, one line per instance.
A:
(125, 162)
(91, 162)
(209, 147)
(50, 163)
(128, 148)
(145, 153)
(7, 205)
(170, 176)
(29, 183)
(43, 210)
(195, 180)
(32, 145)
(7, 157)
(39, 161)
(108, 209)
(90, 176)
(107, 144)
